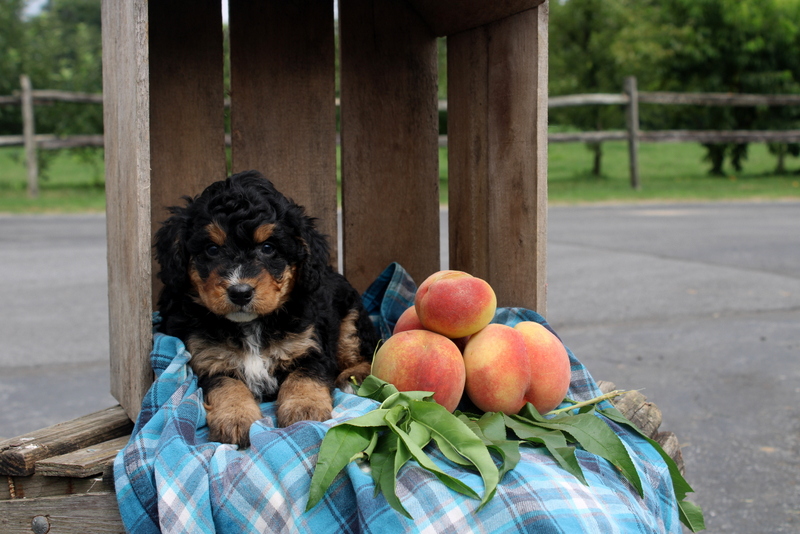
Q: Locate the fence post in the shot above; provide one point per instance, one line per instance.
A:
(632, 120)
(29, 134)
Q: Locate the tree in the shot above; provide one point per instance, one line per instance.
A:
(737, 46)
(586, 57)
(11, 43)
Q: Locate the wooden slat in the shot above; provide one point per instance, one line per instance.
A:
(96, 513)
(36, 485)
(447, 17)
(84, 462)
(283, 118)
(497, 83)
(389, 140)
(187, 133)
(127, 163)
(19, 455)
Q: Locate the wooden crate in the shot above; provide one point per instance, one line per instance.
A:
(165, 138)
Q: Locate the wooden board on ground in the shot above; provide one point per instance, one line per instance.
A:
(18, 456)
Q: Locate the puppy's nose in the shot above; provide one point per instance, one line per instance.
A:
(240, 294)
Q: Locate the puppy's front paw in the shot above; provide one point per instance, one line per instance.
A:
(230, 411)
(295, 410)
(303, 399)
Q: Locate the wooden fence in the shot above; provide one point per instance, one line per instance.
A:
(27, 99)
(630, 98)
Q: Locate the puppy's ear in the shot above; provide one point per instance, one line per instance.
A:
(171, 252)
(316, 256)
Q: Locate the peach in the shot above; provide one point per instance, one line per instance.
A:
(408, 320)
(420, 360)
(455, 304)
(550, 370)
(497, 369)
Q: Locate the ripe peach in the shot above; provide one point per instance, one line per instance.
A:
(455, 304)
(408, 320)
(420, 360)
(498, 370)
(549, 366)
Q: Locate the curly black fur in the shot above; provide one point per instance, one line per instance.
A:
(249, 288)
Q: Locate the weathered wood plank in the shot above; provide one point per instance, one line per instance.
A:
(722, 136)
(18, 456)
(390, 177)
(29, 136)
(446, 17)
(283, 116)
(187, 134)
(126, 112)
(95, 513)
(645, 415)
(669, 442)
(497, 106)
(36, 485)
(718, 99)
(84, 462)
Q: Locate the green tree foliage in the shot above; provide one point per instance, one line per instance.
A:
(737, 46)
(582, 33)
(11, 44)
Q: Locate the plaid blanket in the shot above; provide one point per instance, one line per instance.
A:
(171, 478)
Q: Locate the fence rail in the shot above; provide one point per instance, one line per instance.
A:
(630, 98)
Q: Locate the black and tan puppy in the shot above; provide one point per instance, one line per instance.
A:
(249, 289)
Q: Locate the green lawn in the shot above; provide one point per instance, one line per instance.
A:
(68, 183)
(668, 172)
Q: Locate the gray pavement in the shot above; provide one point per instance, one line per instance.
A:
(696, 304)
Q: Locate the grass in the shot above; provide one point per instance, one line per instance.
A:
(68, 184)
(668, 172)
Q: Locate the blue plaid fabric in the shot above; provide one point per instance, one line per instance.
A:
(170, 478)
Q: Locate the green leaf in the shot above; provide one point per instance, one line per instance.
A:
(374, 388)
(596, 437)
(388, 459)
(679, 484)
(447, 428)
(553, 440)
(496, 441)
(508, 450)
(382, 457)
(691, 515)
(340, 445)
(419, 455)
(493, 426)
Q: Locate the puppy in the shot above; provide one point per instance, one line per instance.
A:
(249, 289)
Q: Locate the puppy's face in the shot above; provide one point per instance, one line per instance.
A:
(240, 249)
(242, 273)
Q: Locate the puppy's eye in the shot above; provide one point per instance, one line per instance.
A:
(212, 250)
(267, 249)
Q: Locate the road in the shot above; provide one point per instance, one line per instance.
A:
(696, 304)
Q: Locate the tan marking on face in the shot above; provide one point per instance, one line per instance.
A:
(270, 292)
(302, 398)
(263, 232)
(230, 411)
(212, 292)
(216, 234)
